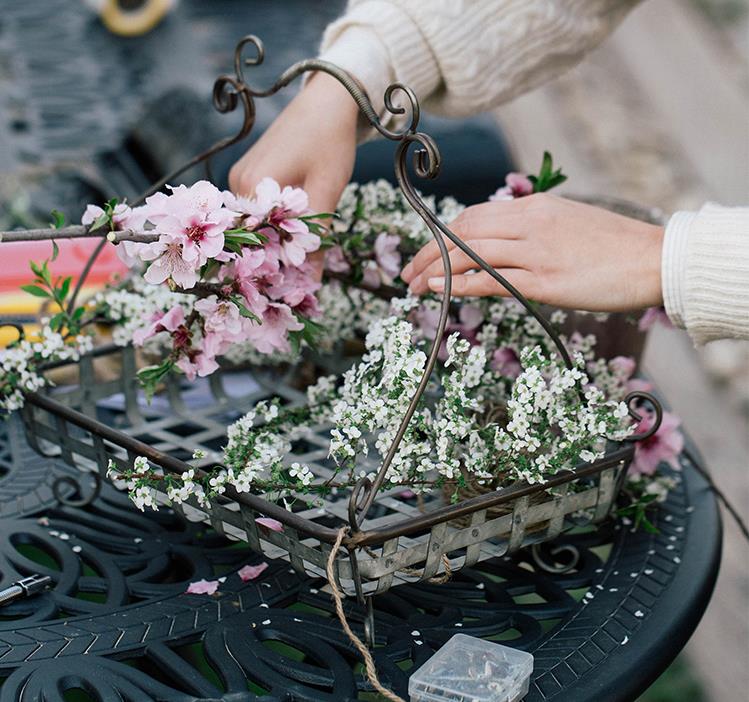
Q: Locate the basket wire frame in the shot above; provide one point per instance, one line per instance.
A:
(391, 540)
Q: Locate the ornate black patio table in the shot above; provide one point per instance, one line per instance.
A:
(118, 625)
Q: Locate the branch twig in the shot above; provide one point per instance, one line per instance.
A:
(76, 232)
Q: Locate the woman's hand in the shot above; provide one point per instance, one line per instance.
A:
(554, 251)
(311, 145)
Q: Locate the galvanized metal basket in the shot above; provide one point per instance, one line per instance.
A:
(392, 538)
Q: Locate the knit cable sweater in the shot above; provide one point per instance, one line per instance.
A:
(465, 56)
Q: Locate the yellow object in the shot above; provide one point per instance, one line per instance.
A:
(24, 309)
(118, 18)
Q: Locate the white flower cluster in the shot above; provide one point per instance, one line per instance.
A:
(130, 306)
(139, 482)
(375, 396)
(20, 363)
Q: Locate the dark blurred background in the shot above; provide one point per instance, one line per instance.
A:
(108, 114)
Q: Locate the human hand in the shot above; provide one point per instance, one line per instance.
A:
(553, 250)
(311, 144)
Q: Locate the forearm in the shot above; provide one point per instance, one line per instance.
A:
(461, 58)
(705, 272)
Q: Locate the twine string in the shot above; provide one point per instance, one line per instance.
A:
(358, 643)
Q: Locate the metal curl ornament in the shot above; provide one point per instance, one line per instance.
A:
(240, 61)
(546, 557)
(642, 396)
(75, 484)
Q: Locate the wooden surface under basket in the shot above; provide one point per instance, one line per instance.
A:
(102, 415)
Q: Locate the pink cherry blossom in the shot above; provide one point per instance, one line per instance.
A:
(387, 254)
(371, 275)
(282, 209)
(295, 285)
(160, 321)
(197, 364)
(250, 572)
(220, 316)
(272, 334)
(506, 362)
(308, 307)
(130, 253)
(516, 185)
(201, 361)
(269, 523)
(202, 587)
(202, 197)
(663, 447)
(276, 205)
(295, 245)
(254, 271)
(196, 214)
(653, 316)
(470, 318)
(168, 259)
(120, 216)
(335, 261)
(244, 207)
(623, 366)
(202, 234)
(426, 320)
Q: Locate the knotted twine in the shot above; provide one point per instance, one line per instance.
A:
(369, 663)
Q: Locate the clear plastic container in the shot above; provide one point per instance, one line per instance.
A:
(467, 669)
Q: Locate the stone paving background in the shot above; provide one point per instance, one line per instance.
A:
(658, 115)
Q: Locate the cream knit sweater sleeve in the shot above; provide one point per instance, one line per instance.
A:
(461, 57)
(705, 272)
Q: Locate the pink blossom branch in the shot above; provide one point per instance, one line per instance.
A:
(76, 232)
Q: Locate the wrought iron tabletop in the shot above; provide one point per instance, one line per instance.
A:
(118, 623)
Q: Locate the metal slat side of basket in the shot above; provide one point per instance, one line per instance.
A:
(390, 539)
(401, 542)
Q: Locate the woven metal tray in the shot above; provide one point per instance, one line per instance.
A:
(103, 415)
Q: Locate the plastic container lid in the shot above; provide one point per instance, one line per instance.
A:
(467, 669)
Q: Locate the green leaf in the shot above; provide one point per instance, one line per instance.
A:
(243, 309)
(546, 164)
(295, 341)
(55, 251)
(100, 221)
(35, 290)
(328, 242)
(65, 287)
(150, 376)
(311, 331)
(78, 312)
(58, 222)
(35, 269)
(243, 237)
(547, 177)
(46, 276)
(319, 215)
(56, 321)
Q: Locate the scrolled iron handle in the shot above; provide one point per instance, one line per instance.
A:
(641, 395)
